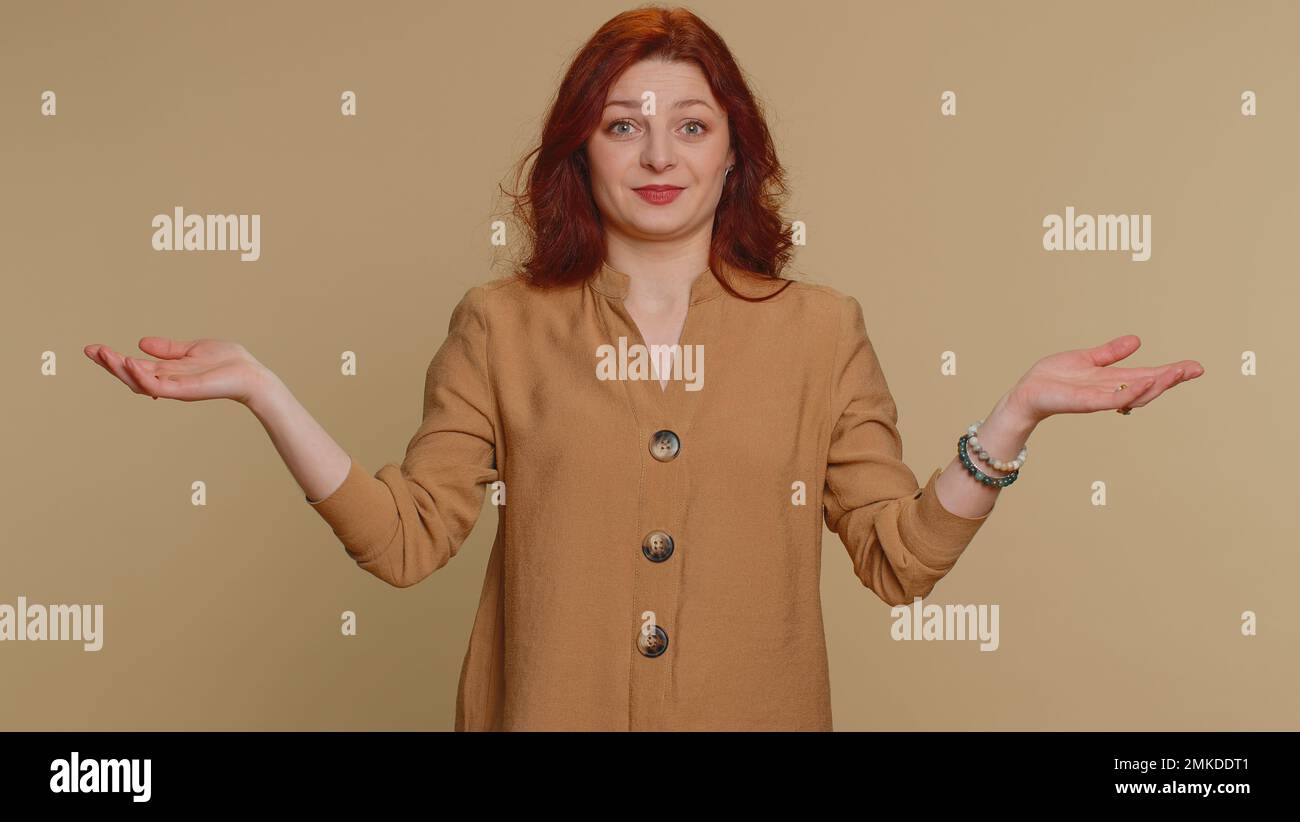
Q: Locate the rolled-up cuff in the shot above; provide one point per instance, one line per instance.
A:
(938, 535)
(356, 512)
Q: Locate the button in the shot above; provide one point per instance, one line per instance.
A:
(664, 445)
(654, 644)
(657, 546)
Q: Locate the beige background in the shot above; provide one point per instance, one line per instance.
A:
(227, 617)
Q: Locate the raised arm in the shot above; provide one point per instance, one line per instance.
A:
(407, 520)
(900, 537)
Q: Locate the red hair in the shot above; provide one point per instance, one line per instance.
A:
(558, 212)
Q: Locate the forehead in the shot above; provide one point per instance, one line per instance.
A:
(668, 80)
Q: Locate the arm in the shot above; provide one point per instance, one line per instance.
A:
(311, 455)
(901, 538)
(408, 519)
(1004, 431)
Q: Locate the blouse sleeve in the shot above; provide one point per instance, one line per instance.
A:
(901, 539)
(408, 520)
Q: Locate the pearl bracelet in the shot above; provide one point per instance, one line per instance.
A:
(998, 465)
(1013, 466)
(1001, 482)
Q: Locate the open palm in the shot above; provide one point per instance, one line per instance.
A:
(1084, 380)
(186, 370)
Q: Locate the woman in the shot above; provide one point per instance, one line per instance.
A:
(657, 560)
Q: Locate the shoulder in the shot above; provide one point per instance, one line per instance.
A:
(493, 296)
(808, 300)
(490, 291)
(820, 294)
(833, 317)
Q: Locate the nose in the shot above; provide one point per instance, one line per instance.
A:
(659, 153)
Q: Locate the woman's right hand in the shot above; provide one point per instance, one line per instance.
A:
(187, 370)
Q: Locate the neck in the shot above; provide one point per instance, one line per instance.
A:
(659, 271)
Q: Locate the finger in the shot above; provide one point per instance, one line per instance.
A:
(159, 379)
(1124, 397)
(114, 362)
(1163, 382)
(1161, 386)
(165, 348)
(146, 375)
(1114, 377)
(94, 352)
(1115, 350)
(178, 386)
(101, 357)
(1110, 379)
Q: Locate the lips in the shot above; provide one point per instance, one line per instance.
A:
(658, 194)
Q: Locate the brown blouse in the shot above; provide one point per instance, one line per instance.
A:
(658, 556)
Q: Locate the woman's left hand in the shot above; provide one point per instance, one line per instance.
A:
(1080, 381)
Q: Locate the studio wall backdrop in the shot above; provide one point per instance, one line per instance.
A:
(1143, 569)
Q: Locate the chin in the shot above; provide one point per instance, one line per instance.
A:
(659, 227)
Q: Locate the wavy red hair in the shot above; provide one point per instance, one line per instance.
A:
(557, 210)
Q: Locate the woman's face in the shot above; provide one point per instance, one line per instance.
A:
(684, 143)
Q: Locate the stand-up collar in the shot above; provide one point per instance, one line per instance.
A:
(614, 283)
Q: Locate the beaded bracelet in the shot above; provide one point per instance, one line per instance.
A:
(1001, 482)
(998, 465)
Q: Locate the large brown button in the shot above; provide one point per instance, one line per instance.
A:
(657, 546)
(654, 644)
(664, 445)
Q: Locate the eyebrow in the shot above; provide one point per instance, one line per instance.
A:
(690, 101)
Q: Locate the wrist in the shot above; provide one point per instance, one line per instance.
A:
(266, 391)
(1001, 435)
(1016, 413)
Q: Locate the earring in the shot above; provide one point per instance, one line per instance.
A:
(727, 171)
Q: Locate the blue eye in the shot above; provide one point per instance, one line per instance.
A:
(612, 128)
